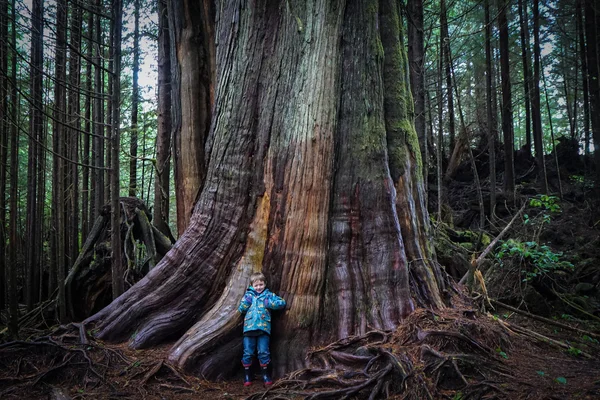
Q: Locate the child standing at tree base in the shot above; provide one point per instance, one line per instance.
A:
(256, 304)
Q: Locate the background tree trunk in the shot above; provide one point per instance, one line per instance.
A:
(526, 59)
(314, 176)
(58, 137)
(163, 139)
(446, 57)
(11, 281)
(592, 18)
(193, 66)
(115, 220)
(488, 103)
(135, 99)
(536, 111)
(416, 57)
(507, 116)
(36, 128)
(584, 77)
(4, 133)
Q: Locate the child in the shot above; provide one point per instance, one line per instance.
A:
(256, 303)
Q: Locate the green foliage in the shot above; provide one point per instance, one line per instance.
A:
(561, 379)
(458, 396)
(549, 203)
(501, 353)
(536, 259)
(574, 351)
(541, 373)
(590, 339)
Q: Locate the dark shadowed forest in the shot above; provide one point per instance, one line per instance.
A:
(419, 180)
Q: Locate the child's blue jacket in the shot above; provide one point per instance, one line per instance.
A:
(257, 307)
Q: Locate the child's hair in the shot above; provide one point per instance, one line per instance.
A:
(258, 276)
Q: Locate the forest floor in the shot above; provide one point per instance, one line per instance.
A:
(543, 344)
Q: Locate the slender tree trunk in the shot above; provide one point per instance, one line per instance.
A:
(526, 58)
(560, 190)
(58, 189)
(98, 143)
(193, 65)
(163, 139)
(536, 112)
(416, 57)
(592, 18)
(445, 39)
(4, 133)
(33, 166)
(507, 116)
(440, 138)
(135, 98)
(584, 78)
(314, 176)
(86, 204)
(13, 264)
(115, 226)
(73, 135)
(490, 119)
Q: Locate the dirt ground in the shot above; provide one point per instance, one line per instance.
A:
(495, 355)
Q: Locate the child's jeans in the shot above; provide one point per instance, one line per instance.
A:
(250, 346)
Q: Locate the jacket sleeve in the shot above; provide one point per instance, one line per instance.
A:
(274, 302)
(245, 303)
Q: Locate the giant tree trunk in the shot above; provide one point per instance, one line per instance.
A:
(314, 177)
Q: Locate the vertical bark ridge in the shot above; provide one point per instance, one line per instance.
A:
(405, 162)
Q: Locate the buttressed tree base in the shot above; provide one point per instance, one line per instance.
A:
(313, 176)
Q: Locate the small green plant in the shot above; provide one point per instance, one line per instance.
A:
(549, 203)
(458, 396)
(501, 353)
(541, 373)
(590, 339)
(537, 259)
(561, 379)
(574, 351)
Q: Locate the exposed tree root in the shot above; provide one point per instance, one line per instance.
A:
(415, 362)
(89, 280)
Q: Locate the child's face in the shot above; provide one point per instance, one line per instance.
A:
(259, 286)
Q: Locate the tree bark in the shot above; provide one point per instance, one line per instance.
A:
(58, 133)
(193, 65)
(11, 281)
(314, 177)
(4, 133)
(115, 220)
(163, 139)
(592, 18)
(584, 77)
(416, 57)
(507, 116)
(135, 97)
(73, 134)
(526, 59)
(33, 165)
(98, 143)
(536, 112)
(489, 115)
(446, 57)
(86, 206)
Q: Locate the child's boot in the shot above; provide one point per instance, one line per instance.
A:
(247, 377)
(266, 376)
